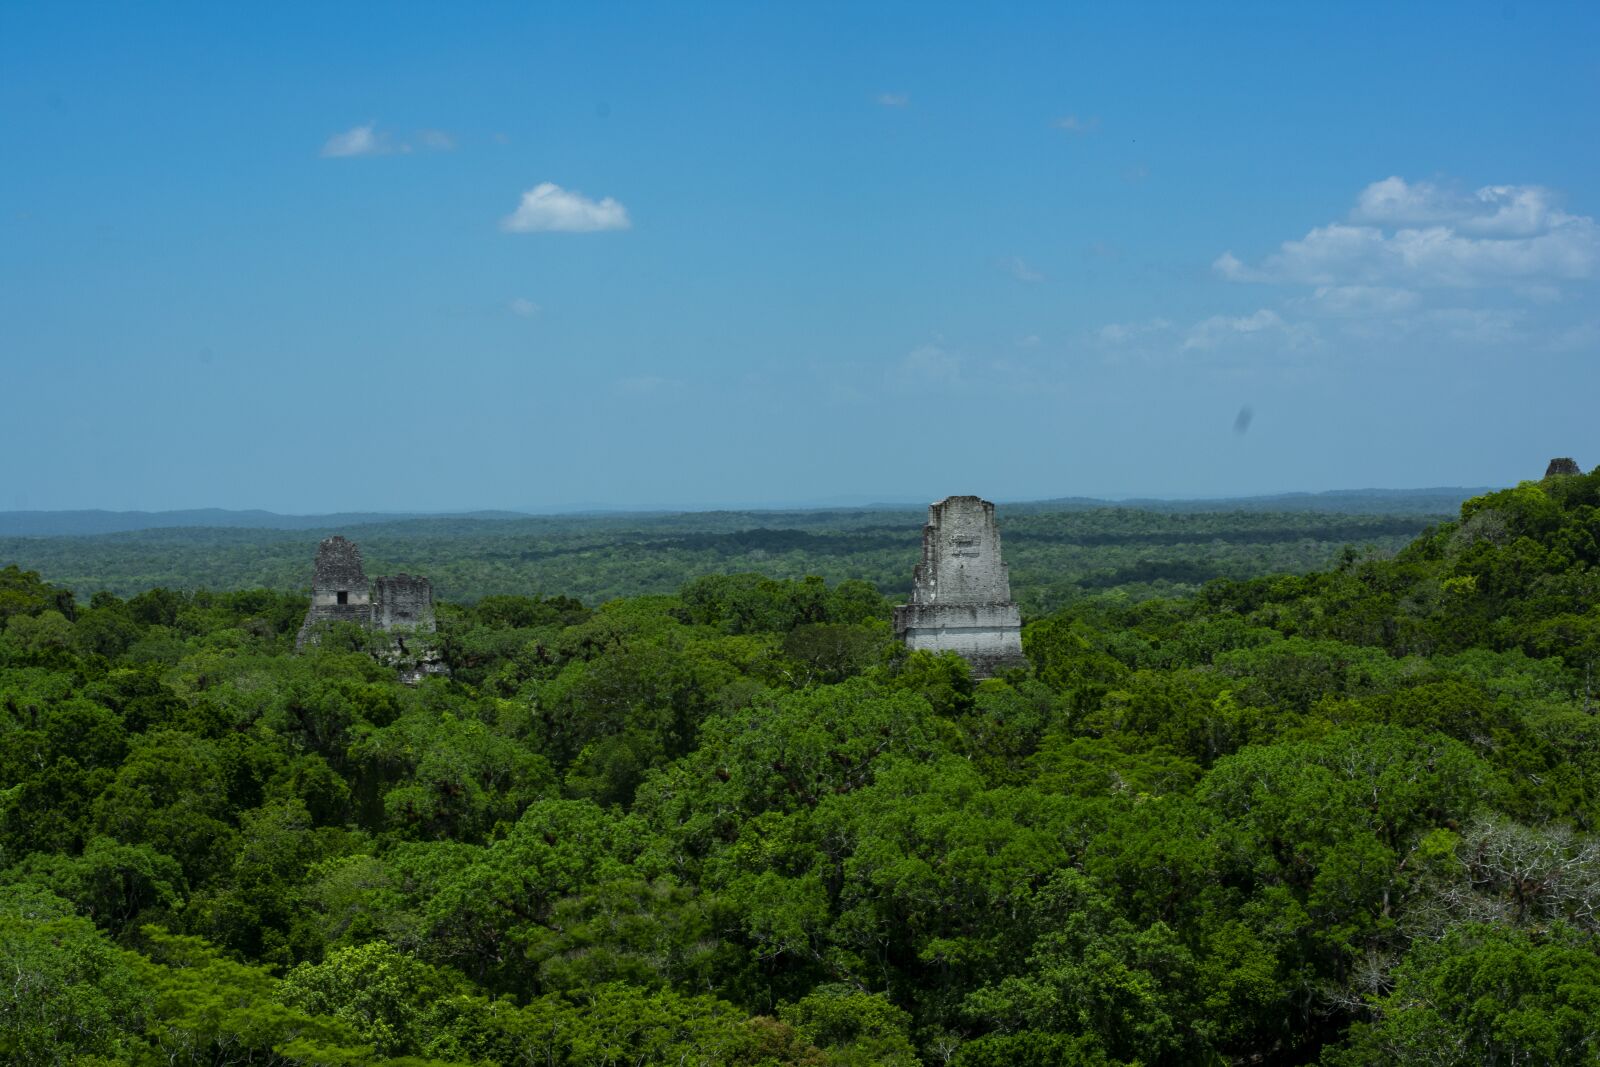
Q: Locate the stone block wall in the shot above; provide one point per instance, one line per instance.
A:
(961, 590)
(340, 592)
(403, 602)
(987, 636)
(339, 589)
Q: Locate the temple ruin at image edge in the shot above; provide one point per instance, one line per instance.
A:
(961, 591)
(340, 592)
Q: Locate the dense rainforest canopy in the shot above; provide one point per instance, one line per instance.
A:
(1347, 817)
(1058, 552)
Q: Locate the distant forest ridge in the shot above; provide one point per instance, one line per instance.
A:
(1057, 552)
(1431, 501)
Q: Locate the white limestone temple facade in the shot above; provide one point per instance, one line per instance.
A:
(961, 591)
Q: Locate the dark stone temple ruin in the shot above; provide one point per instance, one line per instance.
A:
(1562, 465)
(340, 592)
(402, 602)
(961, 591)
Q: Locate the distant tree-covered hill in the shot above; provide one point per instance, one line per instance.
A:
(87, 523)
(1056, 551)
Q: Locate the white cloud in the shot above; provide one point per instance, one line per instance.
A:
(1416, 268)
(928, 367)
(1264, 324)
(1484, 326)
(368, 140)
(1342, 300)
(1494, 210)
(548, 207)
(893, 99)
(1074, 124)
(436, 140)
(1019, 269)
(358, 141)
(523, 308)
(1395, 201)
(1502, 235)
(1121, 333)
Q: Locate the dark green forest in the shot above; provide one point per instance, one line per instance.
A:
(701, 808)
(1058, 551)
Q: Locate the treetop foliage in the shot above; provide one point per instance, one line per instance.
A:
(1345, 817)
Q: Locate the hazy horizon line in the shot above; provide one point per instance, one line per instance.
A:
(852, 502)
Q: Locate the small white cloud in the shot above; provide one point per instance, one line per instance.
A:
(928, 367)
(1030, 341)
(436, 140)
(1120, 333)
(523, 308)
(893, 99)
(358, 141)
(1075, 125)
(1019, 269)
(1265, 323)
(1230, 267)
(549, 208)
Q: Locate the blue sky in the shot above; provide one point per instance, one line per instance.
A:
(428, 257)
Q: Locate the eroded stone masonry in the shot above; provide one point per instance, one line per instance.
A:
(1562, 465)
(961, 591)
(340, 592)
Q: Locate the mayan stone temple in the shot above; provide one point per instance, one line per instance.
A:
(340, 592)
(961, 591)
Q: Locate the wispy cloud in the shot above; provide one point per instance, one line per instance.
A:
(368, 140)
(549, 208)
(1494, 210)
(1414, 269)
(893, 99)
(436, 140)
(523, 308)
(1075, 124)
(1421, 235)
(1121, 333)
(1358, 300)
(1019, 269)
(1264, 324)
(927, 367)
(358, 141)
